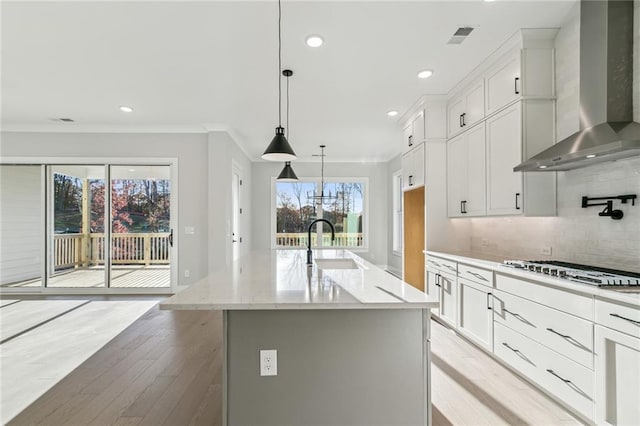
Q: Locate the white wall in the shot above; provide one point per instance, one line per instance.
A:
(576, 234)
(223, 152)
(21, 223)
(262, 172)
(191, 151)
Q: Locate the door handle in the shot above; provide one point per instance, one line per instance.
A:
(171, 238)
(517, 196)
(515, 85)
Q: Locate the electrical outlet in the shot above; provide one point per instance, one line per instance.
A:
(546, 250)
(484, 242)
(269, 362)
(187, 273)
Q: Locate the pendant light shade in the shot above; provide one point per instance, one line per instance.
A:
(287, 174)
(279, 148)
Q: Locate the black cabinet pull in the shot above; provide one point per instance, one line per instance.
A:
(626, 319)
(461, 208)
(558, 376)
(515, 85)
(464, 114)
(438, 280)
(464, 207)
(410, 180)
(489, 301)
(410, 140)
(565, 336)
(460, 120)
(517, 197)
(513, 349)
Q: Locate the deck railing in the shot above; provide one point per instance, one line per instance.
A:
(76, 250)
(299, 239)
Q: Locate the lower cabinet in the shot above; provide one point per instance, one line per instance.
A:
(448, 301)
(567, 380)
(475, 317)
(617, 371)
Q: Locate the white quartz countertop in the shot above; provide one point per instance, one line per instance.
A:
(280, 279)
(494, 263)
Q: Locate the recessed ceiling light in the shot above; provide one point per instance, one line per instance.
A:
(126, 109)
(314, 41)
(542, 167)
(425, 74)
(591, 155)
(132, 170)
(392, 113)
(489, 1)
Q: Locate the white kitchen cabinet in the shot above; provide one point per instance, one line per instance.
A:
(503, 82)
(466, 109)
(448, 298)
(414, 132)
(413, 168)
(617, 372)
(466, 174)
(475, 318)
(432, 287)
(513, 135)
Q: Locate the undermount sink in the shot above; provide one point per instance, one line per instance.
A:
(336, 264)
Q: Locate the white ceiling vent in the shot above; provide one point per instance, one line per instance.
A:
(460, 35)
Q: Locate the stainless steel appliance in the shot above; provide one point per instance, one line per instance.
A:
(600, 277)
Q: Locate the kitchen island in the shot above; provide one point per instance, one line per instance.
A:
(352, 341)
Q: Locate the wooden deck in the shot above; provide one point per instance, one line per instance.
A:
(121, 277)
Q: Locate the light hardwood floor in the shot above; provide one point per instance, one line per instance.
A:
(165, 369)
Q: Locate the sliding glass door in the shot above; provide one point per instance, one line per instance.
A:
(76, 216)
(141, 233)
(85, 226)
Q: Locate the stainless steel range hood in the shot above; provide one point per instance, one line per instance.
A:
(608, 131)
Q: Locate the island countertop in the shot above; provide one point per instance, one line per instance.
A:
(280, 279)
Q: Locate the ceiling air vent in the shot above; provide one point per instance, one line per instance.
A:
(460, 34)
(64, 120)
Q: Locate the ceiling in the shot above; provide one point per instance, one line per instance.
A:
(190, 66)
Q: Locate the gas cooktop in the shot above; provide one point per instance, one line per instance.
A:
(584, 274)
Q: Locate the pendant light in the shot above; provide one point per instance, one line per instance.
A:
(323, 198)
(287, 174)
(279, 148)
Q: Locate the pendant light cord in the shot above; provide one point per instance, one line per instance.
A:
(279, 64)
(288, 131)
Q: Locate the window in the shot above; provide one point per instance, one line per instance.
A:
(397, 212)
(344, 207)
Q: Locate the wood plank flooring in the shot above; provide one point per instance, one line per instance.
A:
(165, 369)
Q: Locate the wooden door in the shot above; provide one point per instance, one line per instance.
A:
(413, 272)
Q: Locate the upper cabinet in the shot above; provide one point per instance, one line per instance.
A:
(413, 168)
(501, 115)
(466, 109)
(427, 123)
(466, 174)
(503, 83)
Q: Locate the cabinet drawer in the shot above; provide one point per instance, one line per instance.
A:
(618, 316)
(568, 381)
(478, 275)
(565, 301)
(566, 334)
(442, 264)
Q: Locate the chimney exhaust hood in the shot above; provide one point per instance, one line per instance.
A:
(607, 130)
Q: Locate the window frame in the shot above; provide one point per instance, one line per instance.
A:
(317, 180)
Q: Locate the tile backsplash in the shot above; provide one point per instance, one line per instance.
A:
(576, 234)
